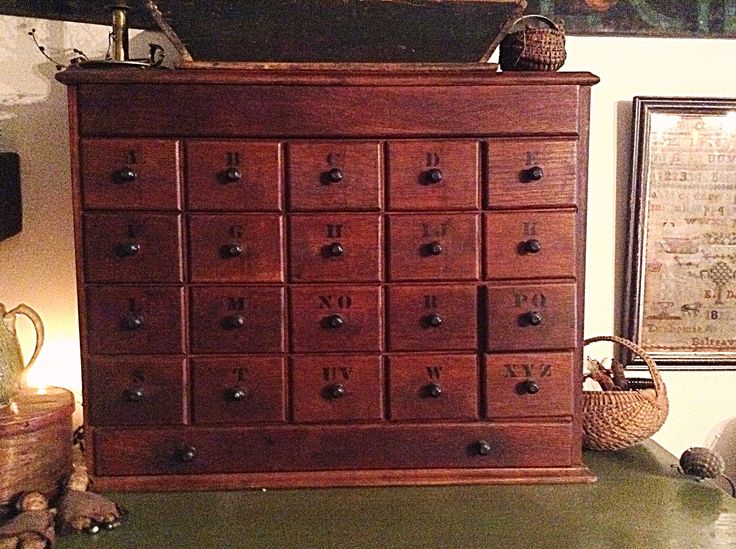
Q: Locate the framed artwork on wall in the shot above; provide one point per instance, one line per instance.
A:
(680, 300)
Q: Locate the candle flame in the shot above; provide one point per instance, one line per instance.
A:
(14, 408)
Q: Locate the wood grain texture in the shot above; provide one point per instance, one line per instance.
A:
(261, 380)
(337, 388)
(430, 246)
(509, 325)
(235, 248)
(137, 391)
(237, 319)
(335, 247)
(345, 447)
(454, 165)
(432, 318)
(336, 318)
(509, 165)
(530, 244)
(423, 387)
(251, 152)
(131, 173)
(306, 111)
(255, 185)
(356, 168)
(133, 247)
(135, 319)
(509, 378)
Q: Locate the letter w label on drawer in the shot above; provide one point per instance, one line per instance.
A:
(530, 244)
(530, 384)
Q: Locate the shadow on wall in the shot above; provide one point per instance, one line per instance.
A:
(623, 193)
(725, 445)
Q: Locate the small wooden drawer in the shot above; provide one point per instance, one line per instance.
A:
(427, 318)
(433, 175)
(523, 173)
(532, 316)
(434, 247)
(337, 388)
(134, 320)
(238, 390)
(336, 247)
(237, 319)
(336, 318)
(530, 244)
(131, 174)
(137, 391)
(132, 247)
(235, 248)
(338, 175)
(433, 387)
(529, 385)
(337, 447)
(234, 176)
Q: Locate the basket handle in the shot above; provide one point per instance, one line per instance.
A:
(651, 365)
(524, 18)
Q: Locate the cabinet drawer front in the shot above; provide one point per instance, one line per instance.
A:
(236, 248)
(234, 176)
(433, 175)
(238, 390)
(529, 385)
(131, 247)
(137, 391)
(337, 388)
(334, 247)
(533, 316)
(433, 387)
(426, 318)
(237, 319)
(339, 175)
(134, 320)
(330, 447)
(434, 247)
(530, 244)
(336, 318)
(532, 173)
(131, 173)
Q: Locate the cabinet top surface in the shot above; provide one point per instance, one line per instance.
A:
(328, 74)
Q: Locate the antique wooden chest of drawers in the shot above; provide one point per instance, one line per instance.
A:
(313, 276)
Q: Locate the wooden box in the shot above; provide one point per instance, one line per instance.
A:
(329, 275)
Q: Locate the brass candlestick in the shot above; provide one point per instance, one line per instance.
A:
(119, 34)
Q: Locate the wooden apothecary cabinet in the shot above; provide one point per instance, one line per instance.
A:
(330, 276)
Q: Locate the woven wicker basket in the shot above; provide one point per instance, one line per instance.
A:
(530, 48)
(617, 419)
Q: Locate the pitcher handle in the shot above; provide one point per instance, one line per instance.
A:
(33, 316)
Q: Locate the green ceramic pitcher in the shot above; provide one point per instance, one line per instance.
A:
(11, 358)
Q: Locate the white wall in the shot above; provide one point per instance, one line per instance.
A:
(37, 266)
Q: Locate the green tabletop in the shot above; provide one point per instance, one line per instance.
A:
(640, 500)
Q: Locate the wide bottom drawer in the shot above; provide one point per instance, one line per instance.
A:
(182, 451)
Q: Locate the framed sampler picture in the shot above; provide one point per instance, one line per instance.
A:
(680, 300)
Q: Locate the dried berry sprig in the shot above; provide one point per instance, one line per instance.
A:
(79, 58)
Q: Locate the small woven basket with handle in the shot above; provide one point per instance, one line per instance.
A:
(533, 48)
(618, 419)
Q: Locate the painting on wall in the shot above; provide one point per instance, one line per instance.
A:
(681, 301)
(694, 18)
